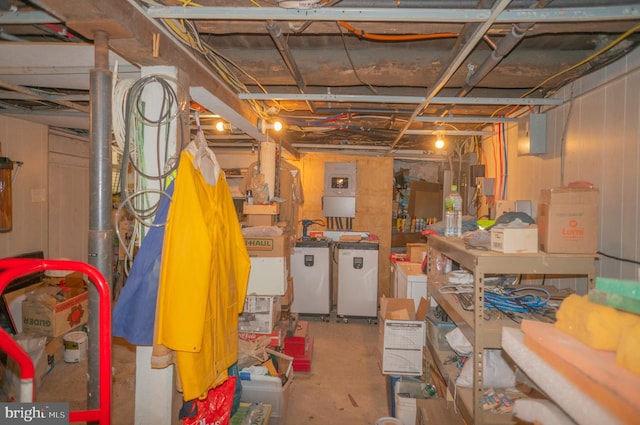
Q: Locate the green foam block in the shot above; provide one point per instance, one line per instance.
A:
(617, 293)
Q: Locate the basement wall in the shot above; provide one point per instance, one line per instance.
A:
(27, 142)
(594, 137)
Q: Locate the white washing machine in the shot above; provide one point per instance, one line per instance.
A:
(357, 279)
(311, 272)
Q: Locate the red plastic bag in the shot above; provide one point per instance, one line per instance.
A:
(216, 408)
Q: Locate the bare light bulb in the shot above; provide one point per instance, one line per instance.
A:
(439, 143)
(220, 126)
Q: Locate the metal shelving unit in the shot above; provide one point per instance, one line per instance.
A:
(486, 334)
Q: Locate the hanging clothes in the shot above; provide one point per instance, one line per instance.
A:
(204, 275)
(134, 313)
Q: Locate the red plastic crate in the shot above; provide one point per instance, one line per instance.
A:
(303, 363)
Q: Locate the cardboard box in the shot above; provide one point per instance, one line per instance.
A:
(437, 411)
(260, 220)
(402, 335)
(416, 252)
(568, 220)
(52, 311)
(515, 240)
(269, 209)
(268, 276)
(406, 395)
(425, 199)
(269, 246)
(287, 298)
(276, 337)
(260, 314)
(409, 281)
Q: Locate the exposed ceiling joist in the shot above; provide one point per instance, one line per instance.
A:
(352, 73)
(451, 15)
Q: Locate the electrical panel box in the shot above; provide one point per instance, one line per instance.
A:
(340, 179)
(532, 134)
(339, 198)
(487, 186)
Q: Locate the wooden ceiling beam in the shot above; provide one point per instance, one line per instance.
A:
(131, 35)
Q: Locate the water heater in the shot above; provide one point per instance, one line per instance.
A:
(339, 198)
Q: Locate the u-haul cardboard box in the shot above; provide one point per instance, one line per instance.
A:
(568, 219)
(268, 246)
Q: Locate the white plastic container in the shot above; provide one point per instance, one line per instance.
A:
(75, 346)
(387, 420)
(268, 390)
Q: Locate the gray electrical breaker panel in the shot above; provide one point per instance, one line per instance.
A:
(339, 198)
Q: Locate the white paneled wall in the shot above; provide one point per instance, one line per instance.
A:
(601, 134)
(26, 142)
(69, 197)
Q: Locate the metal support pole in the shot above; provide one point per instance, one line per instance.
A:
(100, 227)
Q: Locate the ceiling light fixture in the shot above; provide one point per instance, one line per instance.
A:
(439, 141)
(439, 138)
(222, 126)
(264, 126)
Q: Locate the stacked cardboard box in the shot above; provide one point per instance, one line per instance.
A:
(270, 284)
(260, 215)
(260, 314)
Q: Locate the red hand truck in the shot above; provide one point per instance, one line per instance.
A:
(14, 268)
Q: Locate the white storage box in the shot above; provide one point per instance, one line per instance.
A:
(268, 276)
(410, 282)
(260, 314)
(515, 240)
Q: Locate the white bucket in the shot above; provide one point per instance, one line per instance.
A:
(75, 346)
(387, 420)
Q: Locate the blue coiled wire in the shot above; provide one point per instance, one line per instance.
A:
(512, 300)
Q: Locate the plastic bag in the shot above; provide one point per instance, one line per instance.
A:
(216, 408)
(35, 347)
(459, 343)
(495, 372)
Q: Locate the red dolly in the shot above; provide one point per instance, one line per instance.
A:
(13, 268)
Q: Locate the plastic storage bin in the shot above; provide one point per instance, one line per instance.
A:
(436, 331)
(269, 390)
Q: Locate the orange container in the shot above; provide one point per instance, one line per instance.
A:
(6, 215)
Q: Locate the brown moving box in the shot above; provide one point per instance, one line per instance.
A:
(416, 252)
(568, 220)
(55, 309)
(268, 246)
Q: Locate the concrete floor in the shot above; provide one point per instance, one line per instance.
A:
(344, 386)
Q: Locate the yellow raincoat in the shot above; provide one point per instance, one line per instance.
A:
(203, 279)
